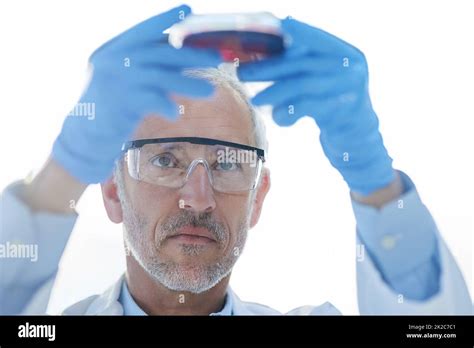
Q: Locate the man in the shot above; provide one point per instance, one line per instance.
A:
(174, 127)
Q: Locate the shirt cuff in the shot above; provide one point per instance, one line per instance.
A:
(401, 239)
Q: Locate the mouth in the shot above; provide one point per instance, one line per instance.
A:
(193, 235)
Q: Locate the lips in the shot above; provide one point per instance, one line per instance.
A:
(190, 233)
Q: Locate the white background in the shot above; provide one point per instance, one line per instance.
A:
(421, 61)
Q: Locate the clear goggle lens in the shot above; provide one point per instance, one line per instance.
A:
(230, 169)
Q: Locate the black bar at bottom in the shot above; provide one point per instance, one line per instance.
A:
(448, 331)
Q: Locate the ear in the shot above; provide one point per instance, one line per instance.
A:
(262, 191)
(112, 204)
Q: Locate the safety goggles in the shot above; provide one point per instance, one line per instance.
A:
(169, 162)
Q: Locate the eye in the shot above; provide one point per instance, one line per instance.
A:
(227, 166)
(165, 160)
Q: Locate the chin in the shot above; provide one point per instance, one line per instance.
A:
(190, 277)
(191, 257)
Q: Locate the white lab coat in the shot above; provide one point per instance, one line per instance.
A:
(108, 304)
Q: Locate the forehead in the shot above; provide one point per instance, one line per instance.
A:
(222, 116)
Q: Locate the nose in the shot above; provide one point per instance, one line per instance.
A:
(197, 193)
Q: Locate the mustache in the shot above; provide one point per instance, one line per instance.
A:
(188, 218)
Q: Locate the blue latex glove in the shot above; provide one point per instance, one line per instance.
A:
(133, 75)
(326, 78)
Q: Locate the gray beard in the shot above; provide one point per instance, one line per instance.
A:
(195, 278)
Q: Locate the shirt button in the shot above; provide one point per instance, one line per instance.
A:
(389, 241)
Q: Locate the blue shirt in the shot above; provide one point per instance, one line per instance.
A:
(130, 307)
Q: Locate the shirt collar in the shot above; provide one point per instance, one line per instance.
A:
(130, 307)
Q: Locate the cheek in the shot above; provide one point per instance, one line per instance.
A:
(147, 202)
(233, 211)
(149, 197)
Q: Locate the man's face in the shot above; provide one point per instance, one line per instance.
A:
(152, 215)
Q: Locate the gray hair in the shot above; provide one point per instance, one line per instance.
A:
(225, 76)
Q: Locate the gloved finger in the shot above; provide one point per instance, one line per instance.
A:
(184, 57)
(284, 116)
(111, 119)
(173, 81)
(324, 110)
(147, 101)
(120, 61)
(150, 30)
(318, 40)
(274, 70)
(285, 90)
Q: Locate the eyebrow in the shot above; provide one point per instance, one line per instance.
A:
(182, 148)
(171, 146)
